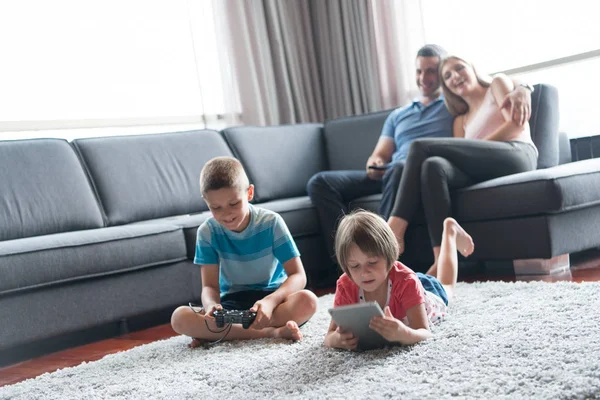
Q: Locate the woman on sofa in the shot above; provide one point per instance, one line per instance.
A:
(493, 145)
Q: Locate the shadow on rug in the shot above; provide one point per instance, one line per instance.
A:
(502, 340)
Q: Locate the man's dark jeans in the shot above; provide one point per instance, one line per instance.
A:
(332, 191)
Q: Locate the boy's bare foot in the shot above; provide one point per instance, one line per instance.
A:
(290, 331)
(464, 241)
(195, 343)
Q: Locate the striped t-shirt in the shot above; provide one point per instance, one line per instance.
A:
(249, 260)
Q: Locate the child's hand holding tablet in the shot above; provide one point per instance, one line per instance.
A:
(355, 318)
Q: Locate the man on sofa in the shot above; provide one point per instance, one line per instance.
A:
(426, 116)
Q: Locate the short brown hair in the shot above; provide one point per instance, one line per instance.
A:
(455, 104)
(432, 50)
(223, 172)
(370, 233)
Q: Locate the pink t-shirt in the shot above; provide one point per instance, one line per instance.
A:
(406, 292)
(489, 118)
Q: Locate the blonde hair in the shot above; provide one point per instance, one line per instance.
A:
(456, 104)
(370, 233)
(223, 172)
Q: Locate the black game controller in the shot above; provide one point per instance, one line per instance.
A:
(244, 317)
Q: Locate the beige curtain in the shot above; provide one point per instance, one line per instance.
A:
(217, 83)
(311, 60)
(347, 56)
(274, 61)
(398, 36)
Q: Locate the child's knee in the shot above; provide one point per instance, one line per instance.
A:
(308, 301)
(180, 319)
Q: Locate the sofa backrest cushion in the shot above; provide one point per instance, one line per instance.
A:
(564, 148)
(351, 140)
(150, 176)
(44, 190)
(544, 124)
(279, 160)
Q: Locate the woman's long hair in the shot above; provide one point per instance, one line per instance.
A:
(456, 104)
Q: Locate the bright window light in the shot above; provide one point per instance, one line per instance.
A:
(498, 36)
(107, 63)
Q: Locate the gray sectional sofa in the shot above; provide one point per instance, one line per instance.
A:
(97, 235)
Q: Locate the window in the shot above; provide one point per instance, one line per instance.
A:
(107, 63)
(512, 34)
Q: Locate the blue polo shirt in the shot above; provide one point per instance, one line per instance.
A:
(416, 121)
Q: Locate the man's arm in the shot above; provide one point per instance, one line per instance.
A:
(381, 155)
(385, 147)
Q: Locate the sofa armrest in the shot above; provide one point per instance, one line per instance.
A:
(551, 190)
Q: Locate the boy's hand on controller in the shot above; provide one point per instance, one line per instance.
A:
(389, 327)
(209, 312)
(264, 311)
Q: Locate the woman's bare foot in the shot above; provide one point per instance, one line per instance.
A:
(464, 241)
(432, 270)
(290, 331)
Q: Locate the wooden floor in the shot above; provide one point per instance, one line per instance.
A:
(586, 267)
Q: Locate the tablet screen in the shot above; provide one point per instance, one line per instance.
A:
(355, 318)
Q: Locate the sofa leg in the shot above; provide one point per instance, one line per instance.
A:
(542, 266)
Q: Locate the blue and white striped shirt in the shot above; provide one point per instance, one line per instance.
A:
(249, 260)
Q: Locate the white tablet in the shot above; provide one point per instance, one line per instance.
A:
(355, 318)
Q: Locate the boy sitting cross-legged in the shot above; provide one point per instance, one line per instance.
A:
(249, 261)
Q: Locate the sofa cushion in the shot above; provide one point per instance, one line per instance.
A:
(564, 147)
(65, 315)
(44, 190)
(189, 223)
(539, 236)
(279, 160)
(41, 261)
(299, 214)
(562, 188)
(369, 203)
(150, 176)
(350, 140)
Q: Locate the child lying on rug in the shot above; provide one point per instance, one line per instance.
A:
(249, 261)
(367, 251)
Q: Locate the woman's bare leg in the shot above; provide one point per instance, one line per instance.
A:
(454, 238)
(398, 226)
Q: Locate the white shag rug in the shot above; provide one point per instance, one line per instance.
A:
(502, 340)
